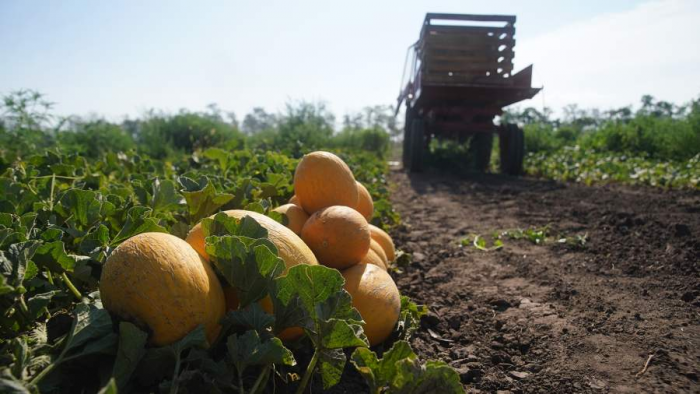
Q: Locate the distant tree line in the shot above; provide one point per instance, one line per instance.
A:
(27, 126)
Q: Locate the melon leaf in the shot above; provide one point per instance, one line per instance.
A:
(110, 388)
(247, 264)
(432, 377)
(409, 318)
(158, 363)
(202, 198)
(252, 317)
(138, 220)
(329, 319)
(132, 343)
(53, 256)
(248, 349)
(331, 365)
(400, 371)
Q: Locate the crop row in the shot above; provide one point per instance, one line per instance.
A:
(62, 215)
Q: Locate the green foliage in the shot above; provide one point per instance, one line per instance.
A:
(162, 136)
(400, 371)
(535, 235)
(93, 139)
(375, 140)
(409, 318)
(658, 145)
(304, 127)
(329, 320)
(589, 167)
(658, 130)
(62, 214)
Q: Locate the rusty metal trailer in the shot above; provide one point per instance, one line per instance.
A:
(458, 77)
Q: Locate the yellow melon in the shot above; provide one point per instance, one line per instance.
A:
(292, 250)
(339, 236)
(365, 206)
(290, 247)
(372, 258)
(376, 297)
(322, 180)
(159, 282)
(376, 248)
(384, 240)
(295, 217)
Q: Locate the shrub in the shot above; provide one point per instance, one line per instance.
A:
(161, 135)
(95, 138)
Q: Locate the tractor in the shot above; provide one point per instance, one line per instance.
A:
(457, 79)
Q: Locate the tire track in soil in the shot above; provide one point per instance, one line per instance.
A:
(554, 318)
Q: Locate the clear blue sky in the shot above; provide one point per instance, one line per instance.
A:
(122, 57)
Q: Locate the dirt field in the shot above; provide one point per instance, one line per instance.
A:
(554, 317)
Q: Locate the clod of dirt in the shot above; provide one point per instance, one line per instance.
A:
(430, 320)
(519, 375)
(470, 373)
(501, 305)
(681, 230)
(689, 296)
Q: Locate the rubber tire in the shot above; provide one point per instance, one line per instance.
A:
(417, 145)
(480, 147)
(512, 143)
(406, 153)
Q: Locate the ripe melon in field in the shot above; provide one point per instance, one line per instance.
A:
(339, 236)
(376, 248)
(376, 297)
(384, 240)
(372, 258)
(292, 250)
(159, 281)
(322, 180)
(365, 206)
(296, 217)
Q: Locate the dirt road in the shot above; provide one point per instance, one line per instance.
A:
(554, 317)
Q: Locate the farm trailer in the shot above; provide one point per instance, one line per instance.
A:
(460, 77)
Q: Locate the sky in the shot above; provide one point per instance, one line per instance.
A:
(121, 58)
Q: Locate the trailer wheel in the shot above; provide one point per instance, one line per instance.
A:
(480, 147)
(512, 143)
(417, 142)
(406, 153)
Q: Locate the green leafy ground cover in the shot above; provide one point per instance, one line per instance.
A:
(589, 167)
(62, 214)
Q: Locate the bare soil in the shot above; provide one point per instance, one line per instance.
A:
(554, 317)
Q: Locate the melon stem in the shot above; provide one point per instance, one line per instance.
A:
(308, 373)
(259, 380)
(72, 287)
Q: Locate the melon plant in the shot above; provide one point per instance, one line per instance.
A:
(66, 221)
(291, 248)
